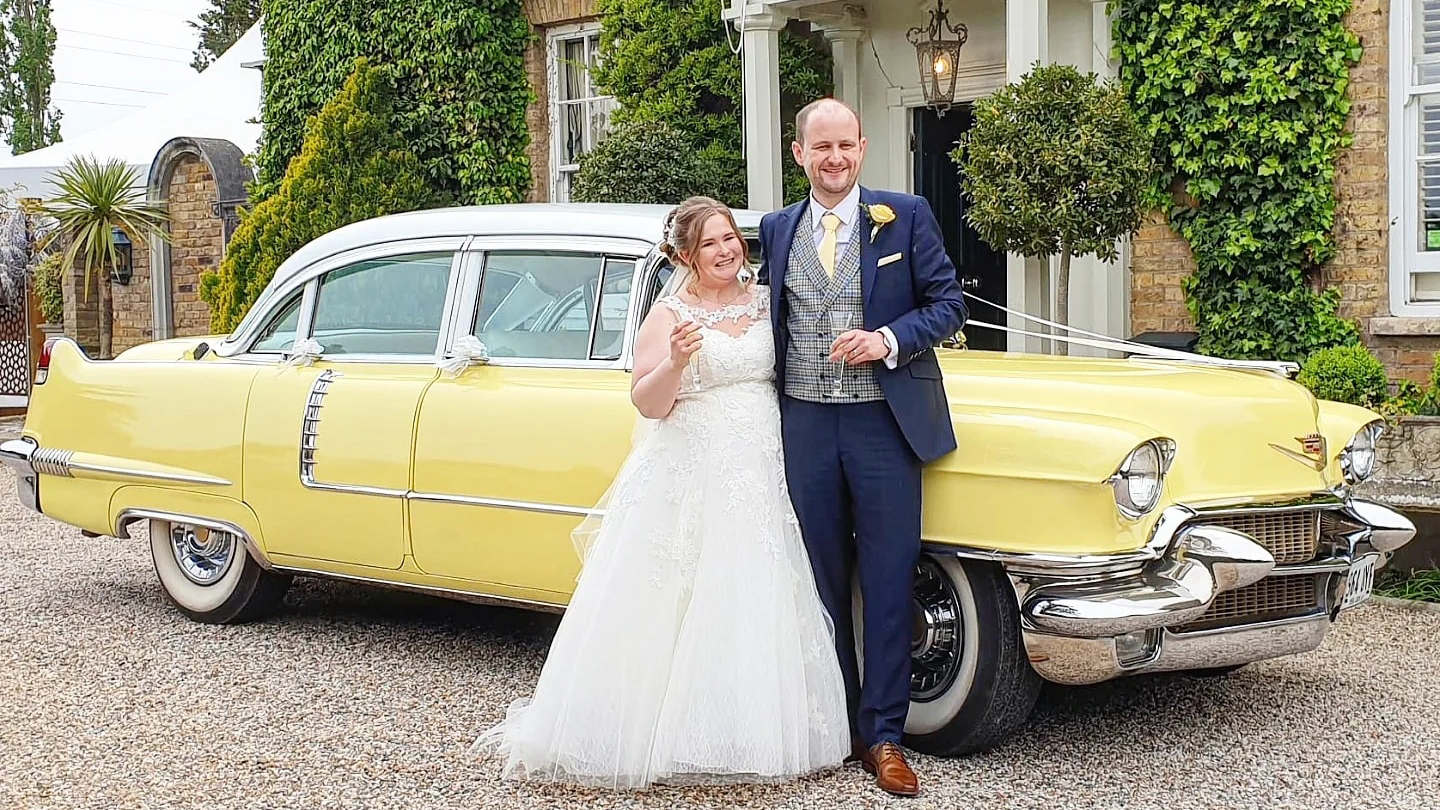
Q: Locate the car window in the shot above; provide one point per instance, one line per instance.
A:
(542, 304)
(279, 335)
(392, 305)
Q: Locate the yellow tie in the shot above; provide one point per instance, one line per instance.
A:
(827, 242)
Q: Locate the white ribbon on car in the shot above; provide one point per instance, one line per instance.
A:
(304, 352)
(467, 351)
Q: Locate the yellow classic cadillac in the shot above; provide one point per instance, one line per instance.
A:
(434, 400)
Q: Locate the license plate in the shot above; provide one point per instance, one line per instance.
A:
(1360, 581)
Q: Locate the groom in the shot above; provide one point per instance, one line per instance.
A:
(860, 277)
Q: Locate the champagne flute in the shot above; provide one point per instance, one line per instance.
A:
(840, 323)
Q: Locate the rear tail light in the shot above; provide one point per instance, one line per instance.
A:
(42, 369)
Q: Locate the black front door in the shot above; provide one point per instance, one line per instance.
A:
(981, 270)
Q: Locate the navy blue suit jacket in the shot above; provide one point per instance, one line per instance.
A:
(917, 296)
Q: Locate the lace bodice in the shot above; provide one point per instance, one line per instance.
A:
(738, 345)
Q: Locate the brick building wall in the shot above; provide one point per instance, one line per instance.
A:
(543, 15)
(1360, 268)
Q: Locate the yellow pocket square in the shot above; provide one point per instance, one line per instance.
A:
(893, 257)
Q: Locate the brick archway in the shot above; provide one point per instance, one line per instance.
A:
(202, 181)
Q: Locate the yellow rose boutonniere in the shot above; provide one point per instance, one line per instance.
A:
(880, 215)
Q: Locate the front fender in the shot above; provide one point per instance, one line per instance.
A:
(1032, 480)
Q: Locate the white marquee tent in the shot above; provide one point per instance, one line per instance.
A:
(223, 101)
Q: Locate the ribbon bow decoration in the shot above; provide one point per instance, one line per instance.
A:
(304, 352)
(468, 350)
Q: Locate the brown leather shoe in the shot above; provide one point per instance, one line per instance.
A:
(892, 774)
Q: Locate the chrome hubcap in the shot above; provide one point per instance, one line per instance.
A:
(204, 555)
(936, 645)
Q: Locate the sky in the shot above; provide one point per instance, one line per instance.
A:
(112, 57)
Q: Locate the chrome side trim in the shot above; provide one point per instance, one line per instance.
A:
(148, 475)
(503, 503)
(50, 461)
(61, 463)
(128, 516)
(464, 596)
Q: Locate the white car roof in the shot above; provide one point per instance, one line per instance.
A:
(625, 221)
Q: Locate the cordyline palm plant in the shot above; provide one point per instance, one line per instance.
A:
(95, 199)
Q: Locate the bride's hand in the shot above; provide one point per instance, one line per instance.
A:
(684, 341)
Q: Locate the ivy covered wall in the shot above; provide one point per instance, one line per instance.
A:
(460, 85)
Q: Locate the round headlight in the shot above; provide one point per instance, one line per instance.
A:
(1141, 477)
(1357, 460)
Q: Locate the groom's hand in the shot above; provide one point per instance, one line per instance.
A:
(859, 346)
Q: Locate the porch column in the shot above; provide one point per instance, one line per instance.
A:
(1110, 313)
(1028, 287)
(844, 39)
(760, 62)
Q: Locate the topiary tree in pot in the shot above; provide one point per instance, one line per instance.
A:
(1055, 164)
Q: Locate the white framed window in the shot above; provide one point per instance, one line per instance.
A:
(579, 114)
(1415, 158)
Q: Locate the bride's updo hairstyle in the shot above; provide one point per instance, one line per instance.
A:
(686, 222)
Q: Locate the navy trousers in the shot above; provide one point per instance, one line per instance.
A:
(855, 484)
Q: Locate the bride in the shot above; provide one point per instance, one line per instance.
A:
(695, 647)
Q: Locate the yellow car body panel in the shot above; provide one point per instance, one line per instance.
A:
(353, 508)
(539, 446)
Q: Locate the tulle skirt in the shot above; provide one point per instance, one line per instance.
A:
(695, 647)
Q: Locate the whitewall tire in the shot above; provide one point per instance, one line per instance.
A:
(210, 576)
(971, 683)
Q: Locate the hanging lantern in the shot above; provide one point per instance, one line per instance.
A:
(938, 57)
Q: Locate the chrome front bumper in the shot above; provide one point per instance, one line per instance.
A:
(1096, 619)
(15, 454)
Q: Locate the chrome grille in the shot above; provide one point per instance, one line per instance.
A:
(1291, 537)
(1267, 600)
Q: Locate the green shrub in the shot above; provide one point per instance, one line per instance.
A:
(48, 288)
(354, 166)
(669, 61)
(643, 162)
(458, 68)
(1346, 374)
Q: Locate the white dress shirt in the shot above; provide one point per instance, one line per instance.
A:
(848, 210)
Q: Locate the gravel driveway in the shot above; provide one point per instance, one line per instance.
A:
(356, 697)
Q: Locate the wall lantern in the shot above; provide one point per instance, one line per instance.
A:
(938, 56)
(124, 267)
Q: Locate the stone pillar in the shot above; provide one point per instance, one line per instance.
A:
(1028, 287)
(760, 62)
(844, 39)
(1099, 290)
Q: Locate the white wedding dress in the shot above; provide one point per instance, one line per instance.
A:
(695, 647)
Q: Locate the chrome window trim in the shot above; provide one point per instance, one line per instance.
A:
(240, 341)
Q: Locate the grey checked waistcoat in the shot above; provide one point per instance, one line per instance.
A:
(809, 296)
